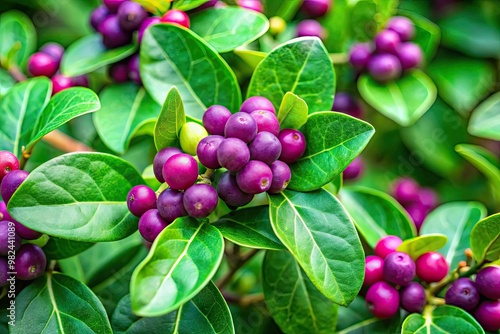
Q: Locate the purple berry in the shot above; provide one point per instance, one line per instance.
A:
(374, 270)
(266, 121)
(405, 190)
(309, 28)
(25, 232)
(230, 193)
(462, 293)
(8, 232)
(41, 64)
(145, 24)
(242, 126)
(8, 163)
(254, 5)
(4, 214)
(112, 34)
(257, 103)
(55, 50)
(265, 147)
(134, 70)
(488, 315)
(384, 67)
(207, 151)
(387, 41)
(98, 15)
(81, 81)
(387, 245)
(345, 103)
(281, 177)
(233, 154)
(399, 268)
(382, 300)
(30, 262)
(180, 171)
(215, 118)
(354, 169)
(176, 17)
(255, 177)
(428, 198)
(11, 182)
(293, 145)
(151, 224)
(160, 158)
(4, 269)
(410, 55)
(170, 205)
(119, 71)
(413, 298)
(316, 8)
(141, 199)
(488, 282)
(359, 55)
(431, 267)
(113, 5)
(417, 213)
(200, 200)
(61, 82)
(131, 15)
(403, 26)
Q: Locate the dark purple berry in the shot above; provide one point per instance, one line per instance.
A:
(11, 182)
(354, 169)
(462, 293)
(113, 35)
(170, 205)
(4, 269)
(405, 190)
(345, 103)
(403, 26)
(233, 154)
(254, 5)
(176, 17)
(230, 193)
(417, 213)
(316, 8)
(387, 245)
(55, 50)
(257, 103)
(359, 55)
(207, 151)
(119, 71)
(242, 126)
(399, 268)
(30, 262)
(428, 198)
(61, 82)
(488, 315)
(81, 81)
(131, 15)
(387, 41)
(180, 171)
(113, 5)
(200, 200)
(488, 282)
(293, 145)
(98, 15)
(374, 270)
(134, 71)
(151, 224)
(8, 232)
(215, 118)
(382, 300)
(141, 199)
(384, 67)
(413, 298)
(265, 147)
(410, 55)
(160, 158)
(281, 177)
(4, 214)
(145, 24)
(255, 177)
(431, 267)
(8, 163)
(266, 121)
(41, 64)
(309, 28)
(25, 232)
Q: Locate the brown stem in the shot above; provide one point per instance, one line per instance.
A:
(243, 301)
(244, 258)
(65, 143)
(17, 74)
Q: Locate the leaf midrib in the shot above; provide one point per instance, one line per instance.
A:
(53, 302)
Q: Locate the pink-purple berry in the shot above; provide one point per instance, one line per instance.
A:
(488, 315)
(170, 205)
(141, 199)
(399, 268)
(413, 297)
(233, 154)
(265, 147)
(403, 26)
(180, 171)
(431, 267)
(488, 282)
(200, 200)
(405, 190)
(462, 293)
(61, 82)
(159, 160)
(8, 233)
(41, 64)
(229, 191)
(310, 28)
(25, 232)
(316, 8)
(384, 67)
(151, 224)
(113, 5)
(176, 17)
(145, 24)
(30, 262)
(113, 35)
(207, 151)
(257, 103)
(215, 118)
(55, 50)
(382, 300)
(374, 270)
(8, 163)
(387, 245)
(354, 169)
(11, 182)
(266, 121)
(98, 15)
(347, 104)
(131, 15)
(387, 41)
(242, 126)
(293, 145)
(281, 177)
(256, 177)
(359, 55)
(410, 55)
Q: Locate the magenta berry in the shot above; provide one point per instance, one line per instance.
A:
(233, 154)
(25, 232)
(316, 8)
(8, 163)
(266, 121)
(61, 82)
(41, 64)
(134, 70)
(145, 24)
(113, 5)
(427, 198)
(417, 212)
(293, 145)
(382, 300)
(229, 191)
(4, 214)
(11, 182)
(462, 293)
(403, 26)
(488, 315)
(4, 269)
(410, 55)
(374, 270)
(254, 5)
(265, 147)
(141, 199)
(98, 15)
(215, 118)
(384, 67)
(30, 262)
(399, 268)
(255, 177)
(242, 126)
(207, 151)
(488, 282)
(7, 229)
(151, 224)
(131, 15)
(81, 80)
(55, 50)
(200, 200)
(309, 28)
(387, 245)
(359, 56)
(119, 71)
(257, 103)
(180, 171)
(176, 17)
(281, 177)
(413, 297)
(431, 267)
(354, 169)
(170, 205)
(113, 35)
(387, 41)
(347, 104)
(159, 160)
(405, 190)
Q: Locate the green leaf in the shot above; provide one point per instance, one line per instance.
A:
(149, 177)
(427, 34)
(376, 214)
(251, 57)
(284, 9)
(89, 54)
(301, 66)
(293, 301)
(455, 220)
(485, 239)
(185, 5)
(78, 196)
(227, 28)
(160, 284)
(404, 100)
(249, 227)
(293, 112)
(327, 155)
(56, 303)
(173, 56)
(6, 82)
(127, 111)
(423, 244)
(57, 248)
(170, 121)
(484, 121)
(442, 320)
(206, 313)
(308, 224)
(17, 38)
(158, 7)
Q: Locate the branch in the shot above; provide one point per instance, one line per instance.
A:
(243, 301)
(224, 280)
(65, 143)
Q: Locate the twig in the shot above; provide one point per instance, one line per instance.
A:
(65, 143)
(17, 74)
(243, 301)
(224, 280)
(339, 58)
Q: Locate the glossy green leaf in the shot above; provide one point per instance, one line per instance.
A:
(455, 220)
(422, 244)
(206, 313)
(308, 224)
(227, 28)
(376, 214)
(17, 38)
(170, 121)
(89, 54)
(333, 140)
(427, 34)
(187, 4)
(6, 82)
(485, 239)
(442, 320)
(249, 227)
(173, 56)
(160, 284)
(56, 303)
(293, 301)
(404, 100)
(127, 111)
(284, 9)
(301, 66)
(78, 196)
(57, 248)
(158, 7)
(484, 121)
(251, 57)
(293, 112)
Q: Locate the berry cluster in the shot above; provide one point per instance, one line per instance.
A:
(417, 201)
(27, 260)
(392, 52)
(46, 62)
(313, 9)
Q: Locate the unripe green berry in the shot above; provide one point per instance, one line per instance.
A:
(277, 25)
(190, 135)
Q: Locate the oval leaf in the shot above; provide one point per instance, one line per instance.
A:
(301, 66)
(160, 284)
(484, 121)
(404, 100)
(158, 7)
(173, 56)
(78, 196)
(308, 224)
(57, 248)
(170, 121)
(333, 141)
(422, 244)
(6, 82)
(17, 38)
(293, 112)
(284, 9)
(485, 239)
(251, 57)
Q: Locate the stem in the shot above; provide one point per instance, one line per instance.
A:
(244, 258)
(17, 74)
(453, 276)
(339, 58)
(65, 143)
(243, 301)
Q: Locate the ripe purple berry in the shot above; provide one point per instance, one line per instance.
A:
(98, 15)
(134, 71)
(382, 300)
(255, 177)
(229, 191)
(130, 15)
(316, 8)
(176, 17)
(233, 154)
(428, 198)
(431, 267)
(257, 103)
(4, 269)
(8, 232)
(281, 177)
(113, 35)
(215, 118)
(488, 315)
(200, 200)
(399, 268)
(242, 126)
(55, 50)
(119, 71)
(4, 214)
(8, 163)
(254, 5)
(159, 160)
(30, 262)
(462, 293)
(405, 190)
(384, 67)
(309, 28)
(345, 103)
(374, 270)
(387, 245)
(170, 205)
(81, 80)
(488, 282)
(207, 151)
(25, 232)
(141, 199)
(61, 82)
(266, 121)
(145, 24)
(387, 41)
(354, 169)
(11, 182)
(410, 55)
(359, 55)
(113, 5)
(403, 26)
(151, 224)
(413, 297)
(293, 145)
(180, 171)
(265, 147)
(417, 213)
(41, 64)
